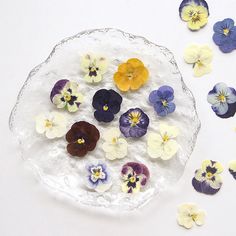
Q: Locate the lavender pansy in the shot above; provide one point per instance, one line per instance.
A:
(207, 179)
(135, 176)
(65, 95)
(134, 123)
(225, 35)
(98, 177)
(107, 103)
(223, 100)
(162, 100)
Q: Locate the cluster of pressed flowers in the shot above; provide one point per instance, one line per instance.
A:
(82, 137)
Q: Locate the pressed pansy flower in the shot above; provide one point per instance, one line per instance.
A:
(188, 214)
(98, 177)
(163, 144)
(134, 123)
(131, 75)
(225, 35)
(162, 100)
(195, 13)
(207, 179)
(94, 68)
(223, 100)
(135, 176)
(65, 95)
(107, 103)
(201, 57)
(232, 168)
(114, 146)
(82, 137)
(52, 124)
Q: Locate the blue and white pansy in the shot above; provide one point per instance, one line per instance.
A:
(207, 179)
(98, 177)
(223, 100)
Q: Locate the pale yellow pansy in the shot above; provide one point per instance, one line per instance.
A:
(94, 67)
(188, 214)
(163, 144)
(114, 146)
(201, 57)
(52, 124)
(232, 165)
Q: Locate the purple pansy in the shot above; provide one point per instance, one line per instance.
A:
(65, 95)
(98, 177)
(107, 103)
(207, 179)
(223, 100)
(225, 35)
(162, 100)
(134, 123)
(135, 176)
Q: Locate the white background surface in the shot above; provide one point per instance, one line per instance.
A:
(29, 30)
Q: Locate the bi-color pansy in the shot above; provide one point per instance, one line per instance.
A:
(223, 100)
(232, 168)
(207, 179)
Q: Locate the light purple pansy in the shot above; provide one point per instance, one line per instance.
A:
(134, 123)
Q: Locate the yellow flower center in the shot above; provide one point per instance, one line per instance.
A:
(164, 103)
(199, 63)
(195, 16)
(165, 138)
(67, 96)
(48, 124)
(194, 217)
(135, 118)
(226, 31)
(80, 141)
(209, 175)
(114, 140)
(97, 174)
(222, 98)
(105, 107)
(132, 179)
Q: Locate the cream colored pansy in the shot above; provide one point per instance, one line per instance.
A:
(201, 57)
(94, 67)
(232, 168)
(52, 124)
(114, 146)
(163, 144)
(188, 214)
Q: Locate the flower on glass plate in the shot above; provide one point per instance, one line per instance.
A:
(225, 35)
(82, 137)
(107, 103)
(232, 168)
(98, 177)
(114, 146)
(188, 214)
(52, 124)
(134, 123)
(195, 13)
(131, 75)
(135, 176)
(223, 100)
(201, 57)
(94, 68)
(65, 95)
(162, 100)
(207, 179)
(163, 144)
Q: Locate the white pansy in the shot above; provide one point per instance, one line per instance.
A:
(188, 214)
(52, 124)
(201, 57)
(114, 146)
(94, 67)
(163, 144)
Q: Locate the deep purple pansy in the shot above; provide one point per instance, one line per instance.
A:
(107, 103)
(225, 35)
(162, 100)
(135, 176)
(134, 123)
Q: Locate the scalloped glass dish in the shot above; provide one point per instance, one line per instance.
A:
(49, 158)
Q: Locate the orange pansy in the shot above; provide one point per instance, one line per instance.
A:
(131, 75)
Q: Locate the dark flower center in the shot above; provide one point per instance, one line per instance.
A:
(93, 71)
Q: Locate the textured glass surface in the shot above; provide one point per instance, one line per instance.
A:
(49, 158)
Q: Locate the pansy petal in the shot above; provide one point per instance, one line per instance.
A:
(200, 218)
(220, 109)
(171, 131)
(170, 149)
(201, 69)
(191, 54)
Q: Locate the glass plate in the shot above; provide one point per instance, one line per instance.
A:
(49, 158)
